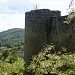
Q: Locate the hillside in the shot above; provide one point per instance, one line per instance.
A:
(12, 37)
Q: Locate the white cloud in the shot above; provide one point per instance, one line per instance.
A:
(9, 21)
(2, 1)
(14, 6)
(20, 6)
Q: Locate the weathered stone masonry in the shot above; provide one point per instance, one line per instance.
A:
(44, 26)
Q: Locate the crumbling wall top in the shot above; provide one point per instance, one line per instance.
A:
(45, 11)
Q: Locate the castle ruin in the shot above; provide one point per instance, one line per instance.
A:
(43, 26)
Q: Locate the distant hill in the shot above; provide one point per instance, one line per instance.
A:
(12, 37)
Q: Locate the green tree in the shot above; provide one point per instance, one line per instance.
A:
(10, 63)
(50, 61)
(71, 14)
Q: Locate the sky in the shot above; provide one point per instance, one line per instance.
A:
(12, 12)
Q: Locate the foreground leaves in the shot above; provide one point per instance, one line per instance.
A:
(50, 61)
(11, 64)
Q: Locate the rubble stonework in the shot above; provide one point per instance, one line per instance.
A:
(43, 26)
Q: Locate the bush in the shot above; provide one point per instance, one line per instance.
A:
(11, 64)
(51, 62)
(70, 17)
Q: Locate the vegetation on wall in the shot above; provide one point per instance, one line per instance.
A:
(71, 14)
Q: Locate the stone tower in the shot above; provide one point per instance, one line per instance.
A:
(44, 26)
(41, 27)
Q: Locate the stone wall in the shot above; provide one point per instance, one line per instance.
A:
(67, 35)
(41, 27)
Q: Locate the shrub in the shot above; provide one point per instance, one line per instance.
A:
(11, 64)
(49, 61)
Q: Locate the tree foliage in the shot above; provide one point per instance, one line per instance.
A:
(12, 37)
(10, 63)
(71, 14)
(49, 61)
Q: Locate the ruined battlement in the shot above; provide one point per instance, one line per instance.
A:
(44, 12)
